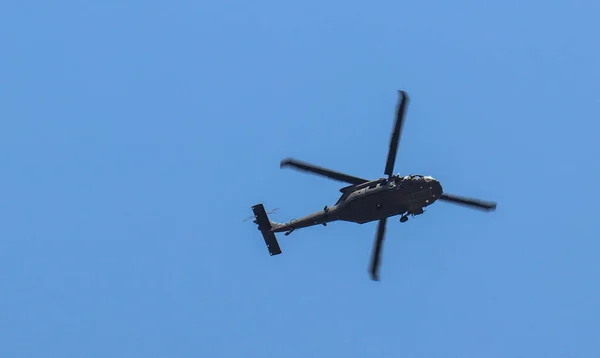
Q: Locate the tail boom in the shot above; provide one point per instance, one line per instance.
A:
(266, 228)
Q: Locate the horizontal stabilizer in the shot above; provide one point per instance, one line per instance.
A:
(264, 225)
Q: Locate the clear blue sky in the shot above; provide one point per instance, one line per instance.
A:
(135, 136)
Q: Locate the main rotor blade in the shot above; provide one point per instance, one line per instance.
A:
(401, 110)
(321, 171)
(472, 203)
(375, 259)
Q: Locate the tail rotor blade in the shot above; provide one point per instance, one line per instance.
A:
(311, 168)
(268, 213)
(469, 202)
(376, 258)
(400, 112)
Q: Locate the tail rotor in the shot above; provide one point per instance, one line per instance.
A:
(253, 217)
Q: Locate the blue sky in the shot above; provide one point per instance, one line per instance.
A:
(135, 137)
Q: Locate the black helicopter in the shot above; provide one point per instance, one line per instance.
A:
(365, 200)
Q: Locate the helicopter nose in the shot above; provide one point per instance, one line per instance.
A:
(434, 186)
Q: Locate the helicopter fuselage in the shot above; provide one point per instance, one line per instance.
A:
(374, 200)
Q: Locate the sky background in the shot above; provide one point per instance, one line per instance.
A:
(135, 136)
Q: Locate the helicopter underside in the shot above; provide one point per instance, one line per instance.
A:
(368, 205)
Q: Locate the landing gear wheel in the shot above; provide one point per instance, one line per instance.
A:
(403, 219)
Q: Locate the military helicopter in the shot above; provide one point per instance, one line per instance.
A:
(366, 200)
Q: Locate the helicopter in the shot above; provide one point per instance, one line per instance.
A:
(365, 201)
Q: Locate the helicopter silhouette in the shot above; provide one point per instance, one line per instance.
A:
(366, 200)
